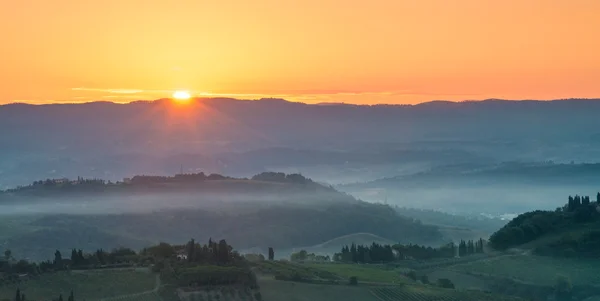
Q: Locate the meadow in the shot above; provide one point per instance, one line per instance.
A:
(430, 293)
(365, 272)
(274, 290)
(538, 270)
(91, 285)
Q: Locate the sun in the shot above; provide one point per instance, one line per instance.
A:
(182, 96)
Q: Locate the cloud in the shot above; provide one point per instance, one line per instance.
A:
(117, 91)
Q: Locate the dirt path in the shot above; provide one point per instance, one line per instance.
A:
(152, 291)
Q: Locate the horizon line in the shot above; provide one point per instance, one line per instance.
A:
(25, 102)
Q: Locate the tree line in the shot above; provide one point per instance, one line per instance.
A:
(374, 253)
(532, 225)
(20, 296)
(377, 253)
(65, 183)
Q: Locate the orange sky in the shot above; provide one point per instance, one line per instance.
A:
(377, 51)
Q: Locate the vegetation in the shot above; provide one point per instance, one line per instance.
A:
(530, 226)
(539, 270)
(304, 213)
(363, 273)
(303, 255)
(428, 293)
(289, 271)
(376, 253)
(86, 285)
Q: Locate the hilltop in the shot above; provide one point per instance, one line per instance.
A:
(570, 231)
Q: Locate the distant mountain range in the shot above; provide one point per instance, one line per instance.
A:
(240, 137)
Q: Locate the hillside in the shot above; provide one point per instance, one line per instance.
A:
(268, 210)
(569, 231)
(505, 188)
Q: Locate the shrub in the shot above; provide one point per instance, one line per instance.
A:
(353, 281)
(445, 283)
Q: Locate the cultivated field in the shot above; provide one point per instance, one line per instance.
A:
(536, 269)
(429, 293)
(91, 285)
(364, 273)
(225, 293)
(151, 296)
(274, 290)
(289, 269)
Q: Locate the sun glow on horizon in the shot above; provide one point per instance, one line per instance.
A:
(181, 96)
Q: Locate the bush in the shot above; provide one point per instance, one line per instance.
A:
(353, 281)
(445, 283)
(412, 275)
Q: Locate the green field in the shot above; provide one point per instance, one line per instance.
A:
(138, 297)
(536, 269)
(430, 293)
(12, 225)
(89, 284)
(273, 290)
(365, 272)
(288, 269)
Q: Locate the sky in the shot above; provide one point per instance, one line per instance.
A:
(363, 52)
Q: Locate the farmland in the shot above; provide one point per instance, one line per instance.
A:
(368, 273)
(274, 290)
(150, 296)
(90, 284)
(293, 270)
(535, 269)
(225, 293)
(427, 293)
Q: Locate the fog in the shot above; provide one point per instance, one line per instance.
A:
(147, 203)
(496, 200)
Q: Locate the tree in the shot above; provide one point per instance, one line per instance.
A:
(470, 247)
(562, 289)
(60, 298)
(271, 253)
(58, 260)
(445, 283)
(299, 256)
(71, 297)
(598, 198)
(191, 250)
(18, 295)
(7, 254)
(80, 258)
(74, 258)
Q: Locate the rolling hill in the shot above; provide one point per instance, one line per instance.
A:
(269, 210)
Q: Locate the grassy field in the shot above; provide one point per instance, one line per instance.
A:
(367, 273)
(273, 290)
(12, 225)
(138, 297)
(429, 293)
(230, 293)
(305, 271)
(90, 285)
(536, 269)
